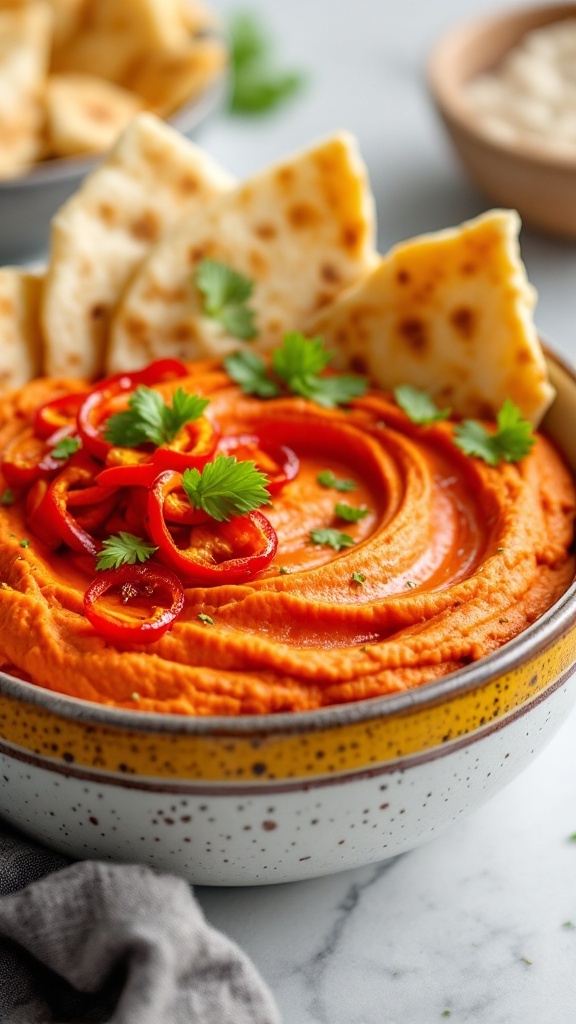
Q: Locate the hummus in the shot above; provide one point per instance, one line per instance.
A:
(451, 559)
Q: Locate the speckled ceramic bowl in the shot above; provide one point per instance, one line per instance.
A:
(277, 798)
(28, 203)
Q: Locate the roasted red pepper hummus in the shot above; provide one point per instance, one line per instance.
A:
(449, 558)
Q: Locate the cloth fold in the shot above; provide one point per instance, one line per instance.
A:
(93, 942)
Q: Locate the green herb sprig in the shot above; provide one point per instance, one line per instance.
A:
(124, 549)
(331, 539)
(149, 419)
(296, 369)
(256, 87)
(510, 442)
(225, 488)
(418, 405)
(225, 295)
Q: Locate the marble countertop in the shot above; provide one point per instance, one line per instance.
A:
(475, 926)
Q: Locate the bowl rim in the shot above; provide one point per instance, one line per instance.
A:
(538, 637)
(449, 101)
(185, 119)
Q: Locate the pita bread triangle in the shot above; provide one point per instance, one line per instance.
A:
(20, 338)
(450, 313)
(301, 231)
(151, 179)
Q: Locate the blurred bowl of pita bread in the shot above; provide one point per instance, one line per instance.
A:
(73, 75)
(505, 88)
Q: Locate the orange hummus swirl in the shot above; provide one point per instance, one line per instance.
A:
(456, 558)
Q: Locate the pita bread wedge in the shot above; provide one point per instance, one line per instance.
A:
(25, 36)
(114, 35)
(166, 81)
(20, 338)
(450, 313)
(85, 114)
(301, 231)
(151, 179)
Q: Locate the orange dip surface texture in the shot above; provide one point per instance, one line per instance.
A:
(451, 558)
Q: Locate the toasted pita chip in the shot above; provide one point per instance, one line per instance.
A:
(25, 35)
(301, 231)
(166, 81)
(86, 114)
(450, 313)
(114, 36)
(150, 180)
(20, 338)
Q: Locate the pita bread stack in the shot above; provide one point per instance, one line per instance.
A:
(73, 73)
(449, 312)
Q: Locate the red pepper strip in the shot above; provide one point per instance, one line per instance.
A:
(126, 457)
(61, 412)
(35, 517)
(92, 414)
(141, 475)
(192, 447)
(280, 463)
(83, 496)
(59, 519)
(251, 538)
(27, 457)
(131, 582)
(176, 505)
(130, 512)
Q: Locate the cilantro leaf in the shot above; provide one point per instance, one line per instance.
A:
(418, 405)
(332, 539)
(8, 497)
(299, 358)
(326, 478)
(206, 619)
(124, 549)
(250, 371)
(226, 488)
(510, 442)
(149, 418)
(349, 513)
(25, 543)
(256, 87)
(298, 363)
(66, 447)
(226, 293)
(358, 577)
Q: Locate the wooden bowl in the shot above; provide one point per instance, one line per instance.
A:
(541, 185)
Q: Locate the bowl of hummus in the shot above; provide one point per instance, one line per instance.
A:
(295, 592)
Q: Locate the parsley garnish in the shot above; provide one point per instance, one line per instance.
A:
(226, 293)
(149, 419)
(349, 513)
(250, 371)
(226, 488)
(331, 539)
(511, 441)
(358, 577)
(66, 447)
(296, 369)
(327, 479)
(124, 549)
(418, 405)
(206, 619)
(25, 543)
(8, 497)
(283, 570)
(568, 924)
(256, 87)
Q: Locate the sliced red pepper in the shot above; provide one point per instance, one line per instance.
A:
(279, 462)
(231, 552)
(176, 504)
(28, 458)
(61, 412)
(55, 507)
(137, 475)
(192, 447)
(130, 512)
(150, 584)
(95, 408)
(35, 516)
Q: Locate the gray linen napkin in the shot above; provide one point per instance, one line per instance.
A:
(94, 942)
